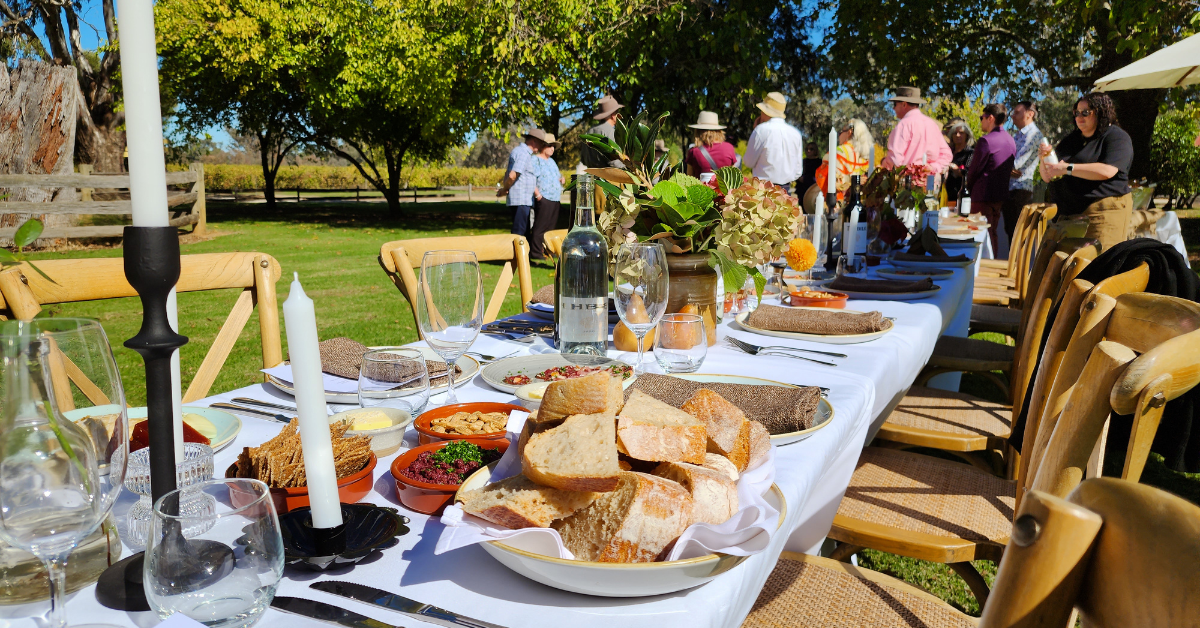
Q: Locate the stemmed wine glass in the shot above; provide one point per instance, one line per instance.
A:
(63, 440)
(450, 306)
(641, 289)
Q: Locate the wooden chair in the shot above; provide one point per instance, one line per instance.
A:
(949, 512)
(553, 241)
(1003, 282)
(25, 292)
(1005, 315)
(401, 260)
(1118, 553)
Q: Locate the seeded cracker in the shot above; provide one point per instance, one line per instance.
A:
(280, 461)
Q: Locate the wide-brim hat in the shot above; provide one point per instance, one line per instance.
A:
(909, 95)
(550, 140)
(660, 146)
(773, 105)
(707, 120)
(536, 134)
(605, 107)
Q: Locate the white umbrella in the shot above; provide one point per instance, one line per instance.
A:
(1173, 66)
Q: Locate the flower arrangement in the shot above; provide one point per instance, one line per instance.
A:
(801, 254)
(904, 185)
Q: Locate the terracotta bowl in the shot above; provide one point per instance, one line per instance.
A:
(425, 498)
(837, 302)
(426, 435)
(351, 490)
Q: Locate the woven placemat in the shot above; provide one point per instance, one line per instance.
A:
(545, 295)
(342, 357)
(880, 286)
(826, 323)
(780, 410)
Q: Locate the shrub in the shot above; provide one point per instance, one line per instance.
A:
(1174, 157)
(229, 177)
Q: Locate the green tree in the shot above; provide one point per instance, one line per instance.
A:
(1176, 157)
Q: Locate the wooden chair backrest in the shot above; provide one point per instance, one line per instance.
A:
(553, 241)
(1031, 230)
(25, 291)
(1121, 553)
(401, 260)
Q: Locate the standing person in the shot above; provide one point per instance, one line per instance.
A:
(547, 197)
(1028, 138)
(991, 168)
(775, 150)
(710, 151)
(962, 143)
(853, 152)
(916, 136)
(607, 112)
(812, 161)
(1094, 166)
(520, 181)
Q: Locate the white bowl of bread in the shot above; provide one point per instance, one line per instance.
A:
(620, 482)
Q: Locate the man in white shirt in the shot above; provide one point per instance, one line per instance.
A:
(775, 150)
(1020, 187)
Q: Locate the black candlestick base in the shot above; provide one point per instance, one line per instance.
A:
(831, 215)
(365, 529)
(120, 586)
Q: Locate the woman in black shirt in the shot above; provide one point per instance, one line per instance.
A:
(962, 143)
(1094, 165)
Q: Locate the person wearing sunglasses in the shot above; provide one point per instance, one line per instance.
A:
(1094, 165)
(991, 167)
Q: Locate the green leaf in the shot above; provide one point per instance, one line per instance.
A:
(608, 188)
(39, 271)
(670, 192)
(729, 178)
(685, 180)
(7, 256)
(700, 195)
(732, 273)
(28, 232)
(687, 210)
(760, 282)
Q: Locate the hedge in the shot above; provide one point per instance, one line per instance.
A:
(229, 177)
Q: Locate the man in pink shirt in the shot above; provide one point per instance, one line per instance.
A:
(917, 138)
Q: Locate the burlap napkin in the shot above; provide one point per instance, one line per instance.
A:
(780, 410)
(817, 321)
(881, 286)
(545, 295)
(926, 248)
(343, 357)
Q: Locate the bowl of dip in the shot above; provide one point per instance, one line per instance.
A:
(426, 486)
(531, 395)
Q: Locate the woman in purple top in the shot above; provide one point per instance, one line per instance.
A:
(711, 150)
(991, 168)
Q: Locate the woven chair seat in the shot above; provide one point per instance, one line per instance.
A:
(996, 282)
(1005, 320)
(929, 495)
(814, 591)
(971, 354)
(960, 422)
(994, 264)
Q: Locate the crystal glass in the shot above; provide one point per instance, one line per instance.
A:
(450, 306)
(640, 289)
(815, 229)
(680, 343)
(63, 437)
(394, 377)
(219, 567)
(196, 467)
(857, 268)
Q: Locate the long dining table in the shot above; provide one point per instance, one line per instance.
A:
(812, 474)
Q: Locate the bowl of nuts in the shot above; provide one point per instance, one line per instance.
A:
(817, 298)
(481, 419)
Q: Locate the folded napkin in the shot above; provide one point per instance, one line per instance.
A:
(881, 286)
(780, 410)
(945, 259)
(545, 294)
(926, 242)
(817, 321)
(341, 357)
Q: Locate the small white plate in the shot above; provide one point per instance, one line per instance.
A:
(847, 339)
(892, 296)
(930, 264)
(468, 364)
(531, 365)
(914, 274)
(969, 243)
(823, 417)
(222, 429)
(546, 312)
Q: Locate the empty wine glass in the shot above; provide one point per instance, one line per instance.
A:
(641, 289)
(63, 440)
(396, 378)
(450, 306)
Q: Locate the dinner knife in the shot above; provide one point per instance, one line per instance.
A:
(400, 604)
(258, 414)
(321, 611)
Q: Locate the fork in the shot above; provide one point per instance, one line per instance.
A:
(758, 351)
(484, 358)
(749, 348)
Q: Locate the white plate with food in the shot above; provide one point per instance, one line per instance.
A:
(220, 428)
(914, 274)
(842, 339)
(823, 418)
(467, 364)
(512, 373)
(891, 296)
(931, 263)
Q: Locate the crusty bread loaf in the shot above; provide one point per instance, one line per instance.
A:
(598, 393)
(517, 502)
(760, 444)
(648, 429)
(720, 463)
(534, 426)
(579, 455)
(632, 524)
(728, 428)
(714, 495)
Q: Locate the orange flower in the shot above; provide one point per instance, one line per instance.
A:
(801, 254)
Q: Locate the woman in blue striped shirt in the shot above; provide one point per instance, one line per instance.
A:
(546, 197)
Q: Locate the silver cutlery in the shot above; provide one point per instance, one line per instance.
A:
(400, 604)
(757, 351)
(251, 412)
(484, 358)
(265, 404)
(749, 348)
(321, 611)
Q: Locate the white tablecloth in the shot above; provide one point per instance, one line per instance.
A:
(812, 474)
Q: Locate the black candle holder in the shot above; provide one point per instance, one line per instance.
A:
(365, 529)
(831, 215)
(152, 268)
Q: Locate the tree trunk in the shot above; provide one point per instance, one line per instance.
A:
(393, 191)
(99, 146)
(268, 175)
(1137, 110)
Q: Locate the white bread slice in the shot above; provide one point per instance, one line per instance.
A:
(598, 393)
(517, 502)
(760, 444)
(720, 463)
(714, 495)
(632, 524)
(728, 428)
(579, 455)
(648, 429)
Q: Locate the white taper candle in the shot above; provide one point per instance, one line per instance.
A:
(871, 162)
(831, 186)
(819, 212)
(852, 235)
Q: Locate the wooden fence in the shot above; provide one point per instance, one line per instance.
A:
(185, 208)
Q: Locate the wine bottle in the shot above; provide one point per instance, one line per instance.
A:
(853, 208)
(581, 286)
(964, 198)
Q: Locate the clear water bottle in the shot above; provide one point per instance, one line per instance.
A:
(581, 286)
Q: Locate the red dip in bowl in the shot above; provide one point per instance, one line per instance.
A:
(435, 467)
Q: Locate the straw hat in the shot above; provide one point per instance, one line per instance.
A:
(660, 146)
(605, 107)
(536, 134)
(773, 105)
(550, 140)
(909, 95)
(707, 120)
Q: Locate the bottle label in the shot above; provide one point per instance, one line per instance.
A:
(583, 319)
(860, 238)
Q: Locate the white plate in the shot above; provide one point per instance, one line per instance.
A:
(614, 579)
(546, 312)
(892, 296)
(848, 339)
(969, 243)
(225, 426)
(531, 365)
(468, 364)
(823, 417)
(931, 264)
(917, 274)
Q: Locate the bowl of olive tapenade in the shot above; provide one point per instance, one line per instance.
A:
(428, 476)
